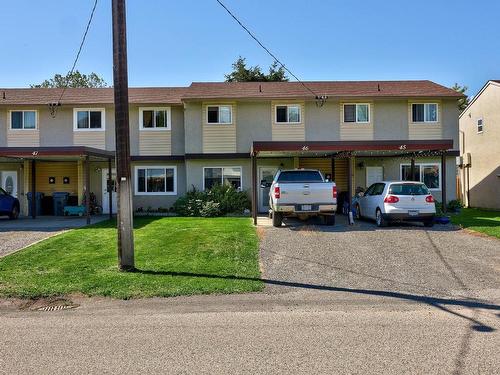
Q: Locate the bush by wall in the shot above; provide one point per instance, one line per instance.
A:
(218, 201)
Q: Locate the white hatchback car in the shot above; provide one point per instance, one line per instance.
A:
(388, 201)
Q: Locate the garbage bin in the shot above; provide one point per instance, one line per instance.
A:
(38, 200)
(60, 200)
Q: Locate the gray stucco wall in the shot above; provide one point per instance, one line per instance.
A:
(449, 113)
(390, 119)
(253, 123)
(192, 128)
(322, 123)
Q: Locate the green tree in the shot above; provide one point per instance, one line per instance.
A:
(463, 102)
(75, 79)
(243, 73)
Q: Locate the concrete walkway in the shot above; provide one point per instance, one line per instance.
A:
(17, 234)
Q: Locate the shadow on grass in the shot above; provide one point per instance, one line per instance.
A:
(436, 302)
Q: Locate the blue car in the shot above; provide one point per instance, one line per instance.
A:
(9, 205)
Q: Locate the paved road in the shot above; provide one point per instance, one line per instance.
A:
(392, 301)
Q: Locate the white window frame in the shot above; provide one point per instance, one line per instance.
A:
(421, 174)
(23, 128)
(218, 109)
(225, 166)
(136, 179)
(155, 109)
(482, 125)
(287, 113)
(357, 121)
(425, 112)
(75, 119)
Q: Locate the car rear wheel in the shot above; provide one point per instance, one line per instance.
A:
(14, 214)
(379, 218)
(277, 219)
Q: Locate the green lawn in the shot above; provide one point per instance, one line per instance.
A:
(174, 256)
(483, 221)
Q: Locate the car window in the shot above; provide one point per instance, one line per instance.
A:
(369, 191)
(408, 189)
(378, 189)
(300, 176)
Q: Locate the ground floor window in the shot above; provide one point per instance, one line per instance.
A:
(155, 180)
(222, 176)
(429, 174)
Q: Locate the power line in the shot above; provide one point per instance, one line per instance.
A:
(79, 51)
(318, 97)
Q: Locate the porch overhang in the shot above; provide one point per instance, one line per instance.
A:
(325, 148)
(55, 153)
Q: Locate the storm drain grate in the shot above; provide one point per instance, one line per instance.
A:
(56, 308)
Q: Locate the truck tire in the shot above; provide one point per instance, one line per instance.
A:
(329, 219)
(277, 219)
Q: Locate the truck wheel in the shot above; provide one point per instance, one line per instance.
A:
(329, 219)
(277, 219)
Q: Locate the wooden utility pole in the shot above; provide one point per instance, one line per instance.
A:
(123, 175)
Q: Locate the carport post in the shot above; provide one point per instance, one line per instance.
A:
(254, 188)
(443, 180)
(87, 185)
(33, 189)
(333, 168)
(349, 181)
(109, 188)
(412, 169)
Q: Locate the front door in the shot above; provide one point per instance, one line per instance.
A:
(9, 182)
(105, 193)
(265, 174)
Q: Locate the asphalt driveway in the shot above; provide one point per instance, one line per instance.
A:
(440, 261)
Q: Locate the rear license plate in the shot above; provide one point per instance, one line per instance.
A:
(413, 213)
(306, 207)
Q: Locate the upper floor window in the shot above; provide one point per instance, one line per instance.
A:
(359, 113)
(154, 118)
(219, 114)
(480, 125)
(424, 112)
(88, 119)
(23, 120)
(288, 114)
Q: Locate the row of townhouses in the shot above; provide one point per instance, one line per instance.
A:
(236, 133)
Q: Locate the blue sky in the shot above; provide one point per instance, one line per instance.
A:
(171, 43)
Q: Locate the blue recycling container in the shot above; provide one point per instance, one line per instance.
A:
(38, 201)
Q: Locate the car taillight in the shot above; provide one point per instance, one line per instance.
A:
(391, 199)
(429, 199)
(334, 192)
(277, 192)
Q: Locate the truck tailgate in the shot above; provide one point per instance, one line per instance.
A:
(306, 193)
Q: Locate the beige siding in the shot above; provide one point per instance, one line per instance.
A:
(219, 138)
(288, 132)
(23, 138)
(155, 142)
(356, 131)
(96, 139)
(422, 130)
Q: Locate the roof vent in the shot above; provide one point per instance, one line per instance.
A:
(3, 96)
(378, 87)
(260, 88)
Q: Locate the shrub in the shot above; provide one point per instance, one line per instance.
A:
(454, 205)
(217, 201)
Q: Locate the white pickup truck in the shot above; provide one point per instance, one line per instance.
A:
(302, 193)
